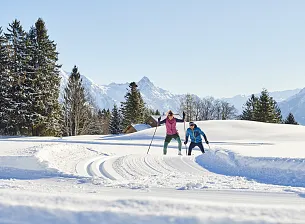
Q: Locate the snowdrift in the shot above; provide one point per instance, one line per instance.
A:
(269, 170)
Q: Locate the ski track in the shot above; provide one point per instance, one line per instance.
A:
(132, 167)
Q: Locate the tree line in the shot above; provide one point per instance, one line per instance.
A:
(30, 87)
(207, 108)
(29, 81)
(262, 109)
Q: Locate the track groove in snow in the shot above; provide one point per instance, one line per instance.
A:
(136, 166)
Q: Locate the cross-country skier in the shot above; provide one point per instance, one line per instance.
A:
(195, 135)
(171, 130)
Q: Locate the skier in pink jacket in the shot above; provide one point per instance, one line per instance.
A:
(171, 130)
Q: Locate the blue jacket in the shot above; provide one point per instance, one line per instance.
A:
(195, 135)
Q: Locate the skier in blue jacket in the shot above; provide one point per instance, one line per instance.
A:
(195, 135)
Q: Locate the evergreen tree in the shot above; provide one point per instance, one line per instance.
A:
(75, 106)
(115, 121)
(133, 109)
(48, 81)
(30, 76)
(100, 120)
(147, 113)
(5, 87)
(277, 115)
(19, 104)
(32, 82)
(157, 112)
(249, 108)
(290, 119)
(92, 125)
(267, 109)
(97, 124)
(105, 117)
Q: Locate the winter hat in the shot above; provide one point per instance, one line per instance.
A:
(170, 113)
(191, 123)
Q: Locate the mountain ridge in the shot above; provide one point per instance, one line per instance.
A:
(105, 96)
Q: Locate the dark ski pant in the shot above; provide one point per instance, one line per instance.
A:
(192, 145)
(168, 139)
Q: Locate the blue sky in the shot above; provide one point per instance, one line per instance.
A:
(219, 48)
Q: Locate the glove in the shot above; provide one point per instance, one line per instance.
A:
(183, 114)
(159, 120)
(207, 142)
(185, 142)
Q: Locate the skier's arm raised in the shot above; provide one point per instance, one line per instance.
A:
(161, 122)
(181, 120)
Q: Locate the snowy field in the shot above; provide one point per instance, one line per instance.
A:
(252, 173)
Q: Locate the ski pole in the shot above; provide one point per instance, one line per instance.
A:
(152, 138)
(184, 132)
(184, 136)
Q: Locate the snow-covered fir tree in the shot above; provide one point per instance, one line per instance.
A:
(96, 123)
(32, 82)
(92, 125)
(133, 109)
(5, 88)
(249, 108)
(105, 117)
(267, 109)
(19, 116)
(115, 125)
(33, 89)
(263, 108)
(48, 86)
(75, 107)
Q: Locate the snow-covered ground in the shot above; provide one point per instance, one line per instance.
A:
(252, 173)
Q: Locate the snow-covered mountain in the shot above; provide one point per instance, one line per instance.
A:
(97, 94)
(154, 97)
(157, 98)
(296, 105)
(105, 96)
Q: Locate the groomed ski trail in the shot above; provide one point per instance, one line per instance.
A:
(130, 167)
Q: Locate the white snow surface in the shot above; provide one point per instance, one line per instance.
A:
(252, 173)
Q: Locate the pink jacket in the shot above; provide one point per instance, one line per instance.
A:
(171, 128)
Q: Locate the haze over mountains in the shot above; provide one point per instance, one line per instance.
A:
(105, 96)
